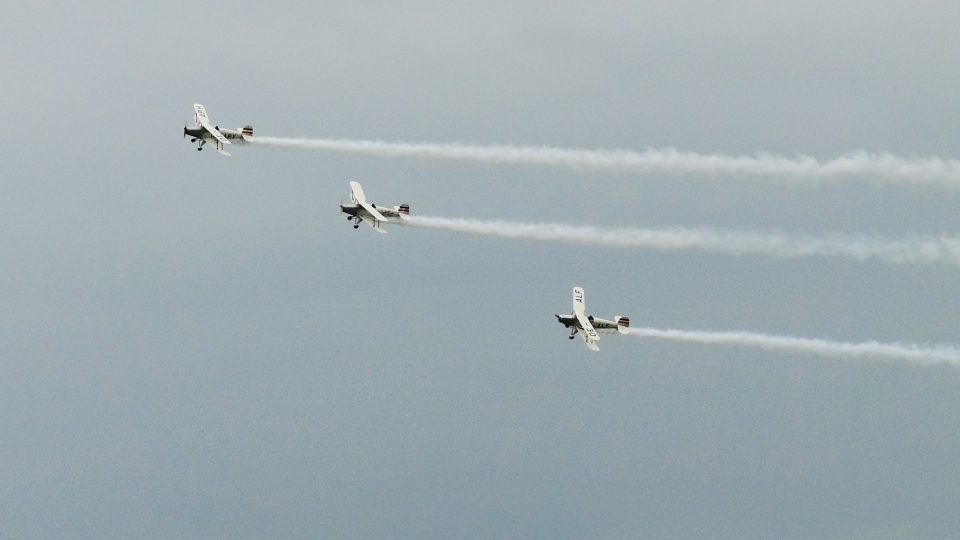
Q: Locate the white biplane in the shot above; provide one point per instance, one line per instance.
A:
(204, 132)
(589, 326)
(374, 215)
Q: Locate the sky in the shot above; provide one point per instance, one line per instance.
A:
(195, 346)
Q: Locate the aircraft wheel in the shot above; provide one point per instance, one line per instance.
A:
(199, 149)
(571, 337)
(356, 226)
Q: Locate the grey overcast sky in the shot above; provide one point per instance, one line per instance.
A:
(202, 347)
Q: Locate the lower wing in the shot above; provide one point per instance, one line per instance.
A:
(587, 332)
(590, 342)
(214, 132)
(374, 213)
(374, 224)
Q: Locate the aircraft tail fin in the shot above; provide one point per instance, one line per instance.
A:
(404, 211)
(623, 323)
(246, 133)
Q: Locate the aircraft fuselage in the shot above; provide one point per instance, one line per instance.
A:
(600, 325)
(358, 211)
(200, 133)
(350, 209)
(195, 133)
(568, 320)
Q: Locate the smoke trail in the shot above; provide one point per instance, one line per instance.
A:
(885, 351)
(915, 251)
(934, 171)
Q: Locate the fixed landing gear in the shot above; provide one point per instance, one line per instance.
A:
(569, 337)
(356, 225)
(193, 140)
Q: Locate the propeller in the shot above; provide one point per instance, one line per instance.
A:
(184, 129)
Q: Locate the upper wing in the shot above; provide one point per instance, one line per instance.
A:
(201, 113)
(356, 191)
(578, 301)
(204, 122)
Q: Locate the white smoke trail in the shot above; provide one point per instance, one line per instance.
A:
(915, 251)
(942, 354)
(934, 171)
